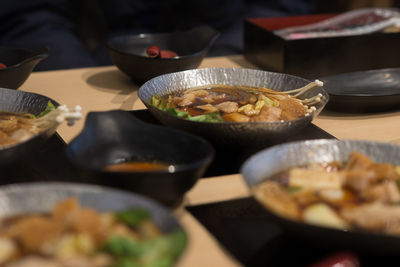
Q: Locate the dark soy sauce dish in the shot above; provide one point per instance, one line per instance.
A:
(19, 64)
(15, 101)
(118, 137)
(128, 53)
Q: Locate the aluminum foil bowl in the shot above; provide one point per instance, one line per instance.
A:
(25, 198)
(230, 132)
(268, 162)
(20, 101)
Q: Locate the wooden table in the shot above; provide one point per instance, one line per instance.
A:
(105, 88)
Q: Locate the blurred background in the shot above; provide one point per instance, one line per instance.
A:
(76, 31)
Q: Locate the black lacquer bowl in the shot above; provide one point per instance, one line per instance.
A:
(270, 161)
(24, 198)
(20, 63)
(364, 91)
(25, 102)
(117, 136)
(128, 53)
(235, 133)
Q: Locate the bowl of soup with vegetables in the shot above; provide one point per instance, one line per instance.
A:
(344, 192)
(66, 224)
(234, 105)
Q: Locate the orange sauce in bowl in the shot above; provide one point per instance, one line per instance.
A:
(137, 166)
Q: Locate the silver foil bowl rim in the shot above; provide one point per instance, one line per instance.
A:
(270, 161)
(39, 197)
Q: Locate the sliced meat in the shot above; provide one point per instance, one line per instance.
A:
(226, 94)
(200, 92)
(89, 221)
(292, 109)
(208, 108)
(373, 216)
(35, 233)
(186, 100)
(304, 196)
(358, 161)
(227, 107)
(8, 123)
(384, 171)
(386, 192)
(275, 198)
(359, 180)
(268, 114)
(235, 117)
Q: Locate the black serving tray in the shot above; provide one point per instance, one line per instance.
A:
(251, 235)
(50, 162)
(316, 57)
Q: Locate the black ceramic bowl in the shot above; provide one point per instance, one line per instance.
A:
(235, 133)
(20, 63)
(26, 198)
(19, 101)
(364, 91)
(117, 136)
(128, 53)
(270, 161)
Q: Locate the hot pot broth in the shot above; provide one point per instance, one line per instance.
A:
(18, 127)
(222, 103)
(77, 236)
(358, 194)
(15, 128)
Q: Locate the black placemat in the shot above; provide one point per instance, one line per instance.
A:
(229, 157)
(252, 237)
(50, 162)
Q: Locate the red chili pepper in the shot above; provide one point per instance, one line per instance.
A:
(340, 259)
(3, 66)
(153, 51)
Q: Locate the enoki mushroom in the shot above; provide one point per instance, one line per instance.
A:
(58, 115)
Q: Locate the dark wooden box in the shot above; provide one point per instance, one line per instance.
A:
(317, 57)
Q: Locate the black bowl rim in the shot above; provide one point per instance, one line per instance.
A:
(366, 72)
(43, 52)
(308, 225)
(56, 104)
(325, 95)
(146, 35)
(204, 161)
